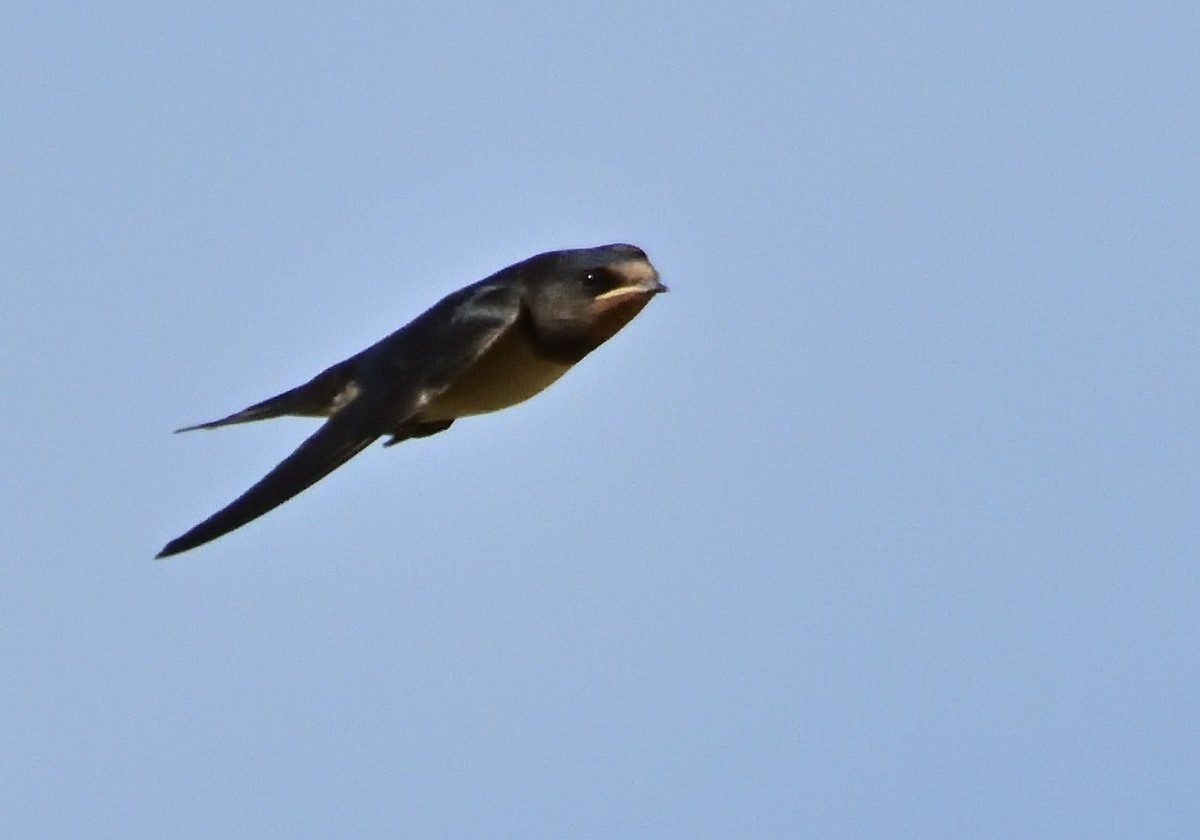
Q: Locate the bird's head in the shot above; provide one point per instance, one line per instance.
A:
(580, 298)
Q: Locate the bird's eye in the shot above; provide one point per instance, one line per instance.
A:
(599, 280)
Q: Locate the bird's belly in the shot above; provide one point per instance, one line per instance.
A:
(508, 373)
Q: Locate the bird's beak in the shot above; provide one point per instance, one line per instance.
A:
(642, 279)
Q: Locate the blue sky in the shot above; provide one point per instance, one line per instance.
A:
(882, 524)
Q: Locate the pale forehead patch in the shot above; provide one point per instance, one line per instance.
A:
(636, 271)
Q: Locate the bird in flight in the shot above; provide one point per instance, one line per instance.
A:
(490, 345)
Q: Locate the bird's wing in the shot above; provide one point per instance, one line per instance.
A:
(399, 373)
(432, 351)
(342, 437)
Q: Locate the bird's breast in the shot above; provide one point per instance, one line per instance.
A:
(510, 371)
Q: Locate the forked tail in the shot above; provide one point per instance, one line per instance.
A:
(321, 396)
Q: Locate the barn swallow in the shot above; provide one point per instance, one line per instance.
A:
(490, 345)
